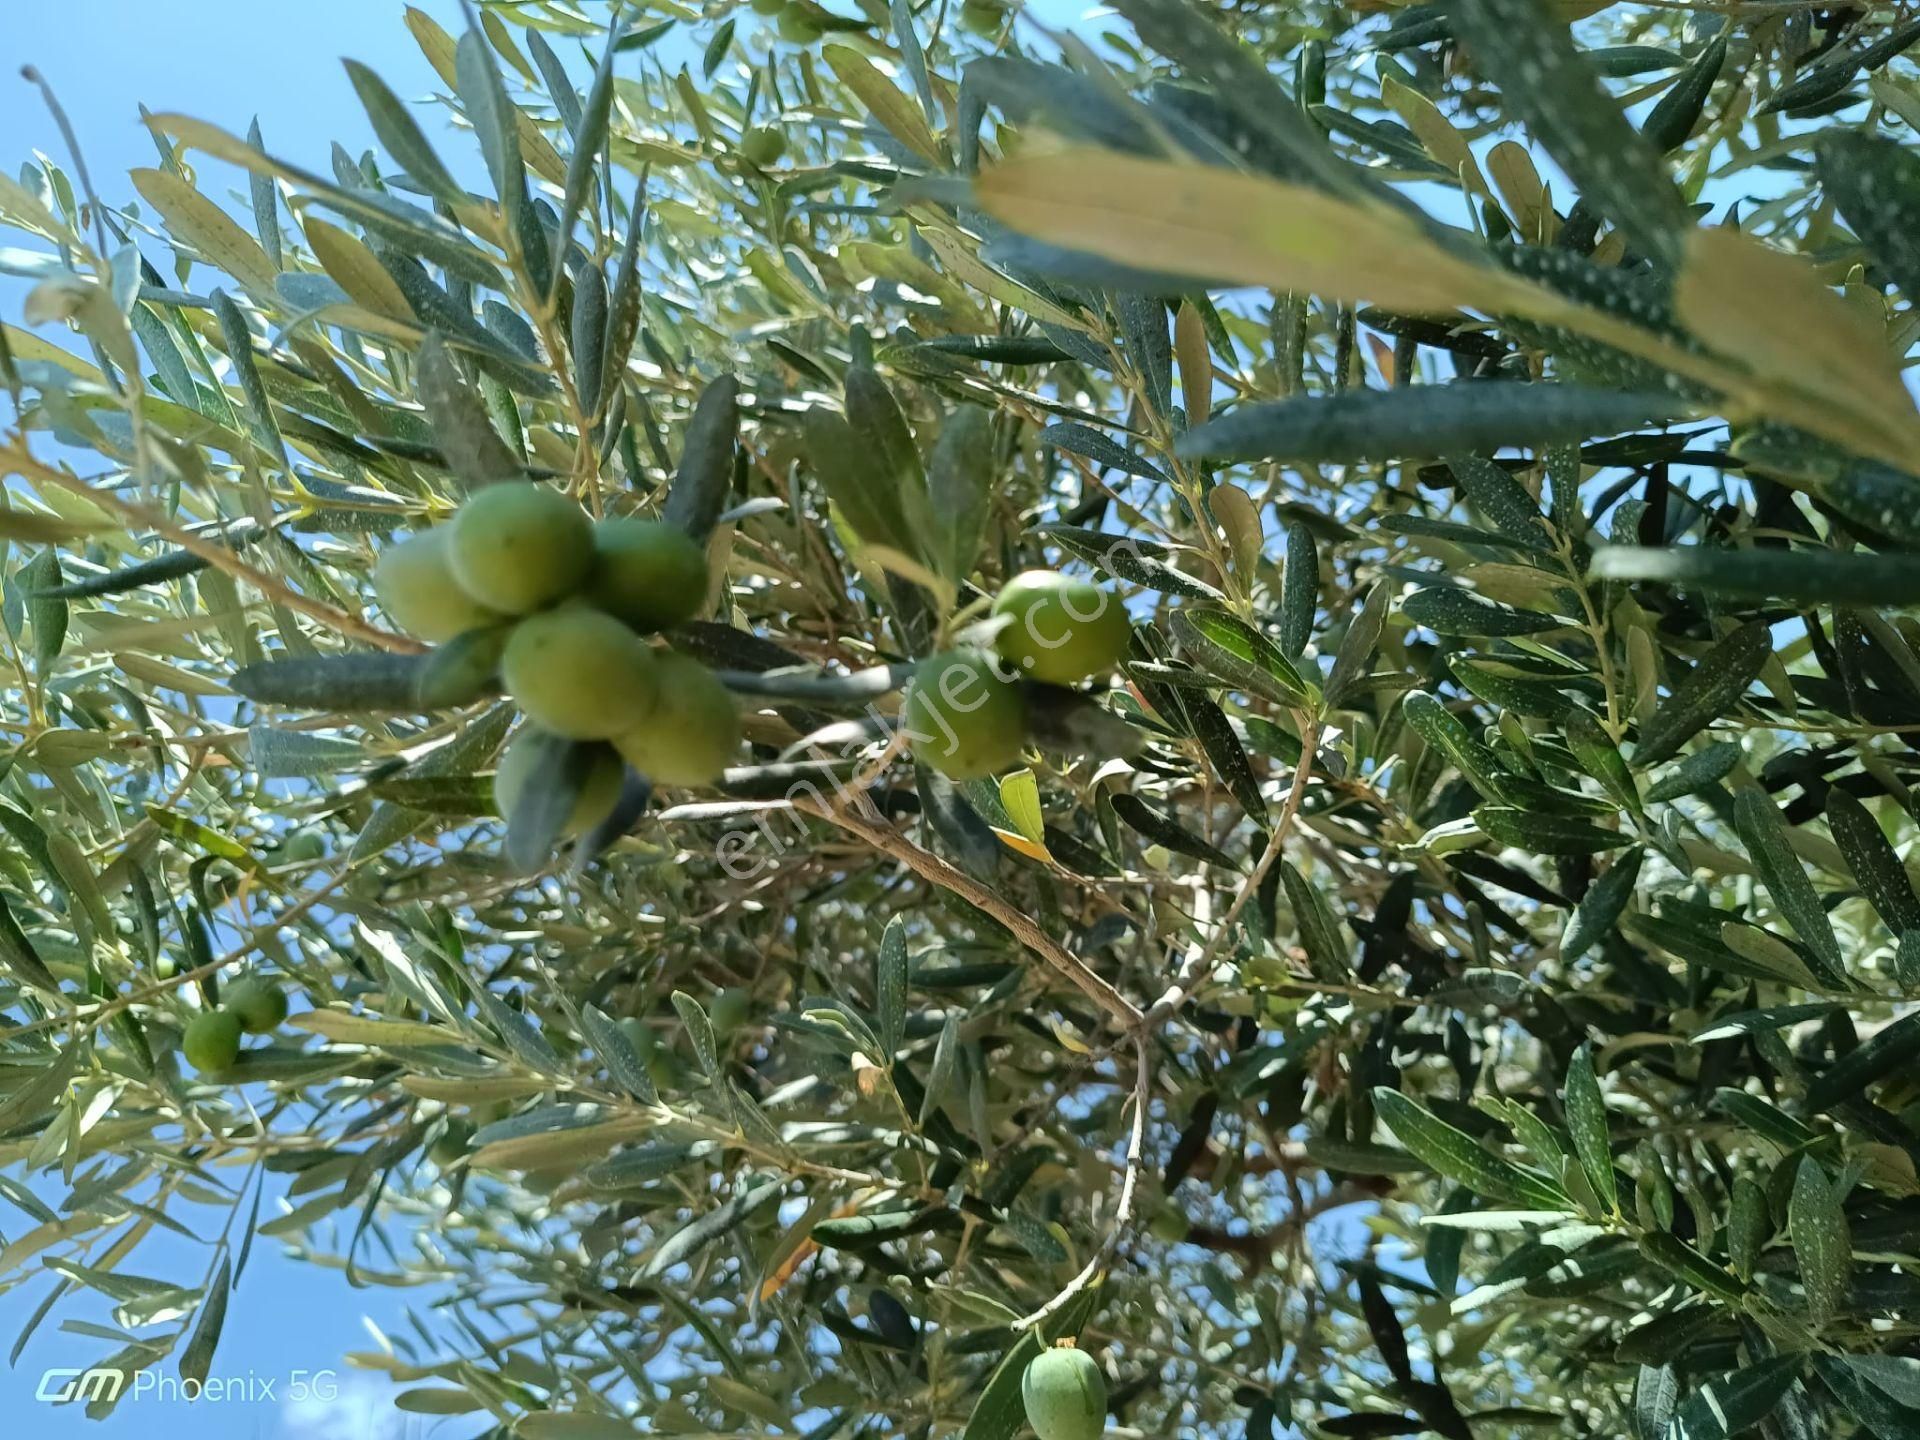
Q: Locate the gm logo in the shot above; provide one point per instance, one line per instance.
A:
(57, 1387)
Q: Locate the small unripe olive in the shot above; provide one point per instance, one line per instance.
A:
(452, 1143)
(646, 572)
(797, 27)
(599, 791)
(763, 145)
(1062, 629)
(303, 846)
(212, 1041)
(519, 547)
(580, 673)
(729, 1011)
(982, 19)
(259, 1005)
(414, 580)
(962, 716)
(692, 733)
(639, 1035)
(1065, 1395)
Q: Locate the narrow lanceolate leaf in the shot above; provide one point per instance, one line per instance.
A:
(1600, 758)
(1461, 1158)
(1822, 1241)
(588, 136)
(1439, 727)
(1420, 421)
(1733, 1404)
(18, 957)
(699, 491)
(1492, 490)
(884, 100)
(1299, 590)
(1546, 84)
(890, 987)
(1226, 646)
(239, 342)
(1587, 1123)
(367, 680)
(197, 1359)
(1085, 440)
(1671, 121)
(1602, 907)
(1892, 1049)
(1816, 577)
(1876, 867)
(494, 119)
(207, 228)
(266, 210)
(1160, 830)
(401, 134)
(1545, 834)
(1875, 183)
(474, 451)
(699, 1032)
(1451, 610)
(1319, 929)
(1708, 693)
(1764, 834)
(616, 1052)
(960, 484)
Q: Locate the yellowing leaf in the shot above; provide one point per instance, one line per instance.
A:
(1813, 359)
(887, 101)
(1525, 193)
(1019, 844)
(1435, 133)
(1190, 219)
(352, 267)
(207, 228)
(1020, 794)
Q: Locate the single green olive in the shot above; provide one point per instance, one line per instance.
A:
(212, 1041)
(580, 673)
(303, 847)
(1061, 629)
(647, 573)
(730, 1009)
(452, 1143)
(963, 716)
(260, 1005)
(764, 145)
(414, 580)
(521, 547)
(599, 788)
(982, 19)
(1065, 1395)
(692, 733)
(639, 1035)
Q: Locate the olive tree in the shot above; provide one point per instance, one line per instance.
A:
(1455, 975)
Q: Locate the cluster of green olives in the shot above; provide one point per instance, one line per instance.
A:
(249, 1007)
(574, 599)
(965, 712)
(1065, 1394)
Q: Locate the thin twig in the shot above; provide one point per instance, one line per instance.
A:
(1129, 1186)
(1195, 970)
(932, 868)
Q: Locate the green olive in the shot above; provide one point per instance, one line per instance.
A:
(303, 847)
(414, 580)
(982, 19)
(580, 673)
(648, 573)
(212, 1041)
(797, 27)
(1062, 629)
(599, 789)
(692, 733)
(763, 145)
(1065, 1395)
(260, 1005)
(639, 1035)
(520, 547)
(730, 1010)
(962, 716)
(452, 1143)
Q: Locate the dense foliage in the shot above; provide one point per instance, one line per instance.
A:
(1457, 976)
